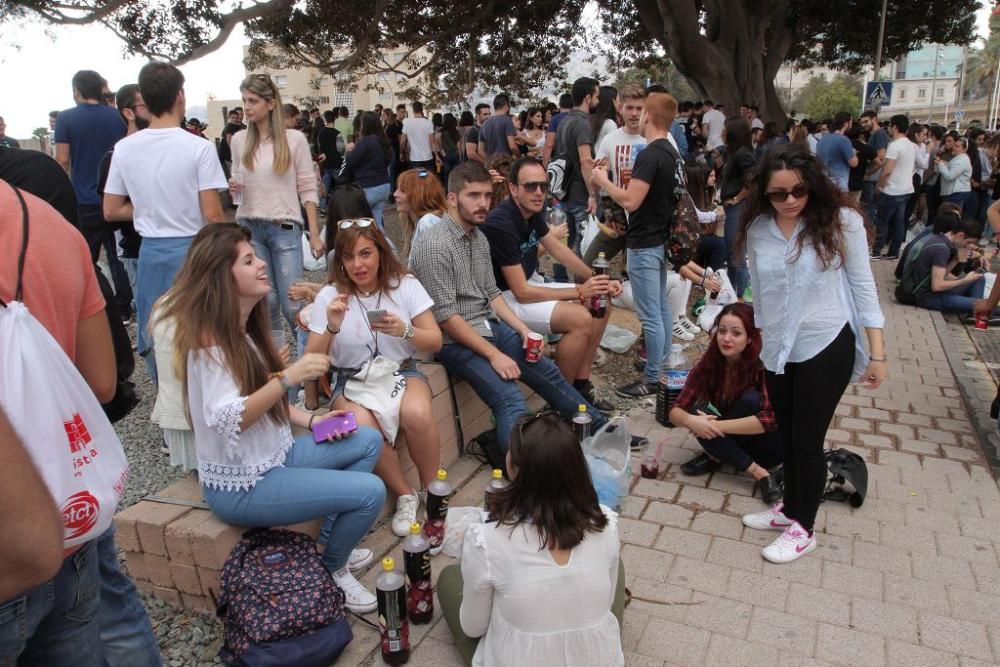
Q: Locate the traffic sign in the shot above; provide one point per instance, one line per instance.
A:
(878, 94)
(959, 115)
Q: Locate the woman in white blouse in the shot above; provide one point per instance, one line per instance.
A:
(813, 296)
(252, 471)
(541, 581)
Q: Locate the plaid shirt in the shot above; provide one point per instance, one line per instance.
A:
(456, 270)
(693, 396)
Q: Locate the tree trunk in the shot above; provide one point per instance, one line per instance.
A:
(731, 58)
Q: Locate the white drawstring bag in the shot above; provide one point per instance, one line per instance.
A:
(727, 295)
(379, 387)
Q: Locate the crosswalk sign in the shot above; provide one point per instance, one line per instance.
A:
(878, 94)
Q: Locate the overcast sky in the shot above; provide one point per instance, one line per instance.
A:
(36, 69)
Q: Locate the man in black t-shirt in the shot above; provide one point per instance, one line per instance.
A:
(472, 136)
(515, 229)
(330, 153)
(650, 201)
(936, 286)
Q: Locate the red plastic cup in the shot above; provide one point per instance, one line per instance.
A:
(533, 352)
(982, 321)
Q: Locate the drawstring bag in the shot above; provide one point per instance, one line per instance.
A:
(378, 387)
(608, 454)
(58, 418)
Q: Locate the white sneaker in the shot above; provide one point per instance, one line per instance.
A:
(406, 513)
(690, 326)
(680, 332)
(357, 598)
(791, 545)
(772, 519)
(359, 558)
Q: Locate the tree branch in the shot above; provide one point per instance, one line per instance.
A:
(54, 12)
(228, 23)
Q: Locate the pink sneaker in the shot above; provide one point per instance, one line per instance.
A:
(772, 519)
(791, 545)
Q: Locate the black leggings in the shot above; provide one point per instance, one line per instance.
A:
(804, 399)
(742, 451)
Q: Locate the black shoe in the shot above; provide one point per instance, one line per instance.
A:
(638, 389)
(892, 257)
(638, 443)
(639, 365)
(876, 255)
(995, 408)
(590, 393)
(700, 465)
(771, 489)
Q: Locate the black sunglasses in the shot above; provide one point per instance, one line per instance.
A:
(525, 420)
(779, 196)
(535, 186)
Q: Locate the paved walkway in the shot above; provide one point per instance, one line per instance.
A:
(911, 578)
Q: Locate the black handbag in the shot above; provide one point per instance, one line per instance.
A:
(848, 477)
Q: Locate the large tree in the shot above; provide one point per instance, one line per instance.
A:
(728, 50)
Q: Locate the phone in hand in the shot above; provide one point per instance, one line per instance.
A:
(712, 410)
(375, 315)
(334, 427)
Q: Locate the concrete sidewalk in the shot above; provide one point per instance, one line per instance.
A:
(911, 578)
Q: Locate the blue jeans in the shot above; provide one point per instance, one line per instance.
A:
(576, 215)
(57, 622)
(281, 249)
(958, 198)
(868, 202)
(330, 479)
(957, 300)
(647, 269)
(329, 180)
(126, 633)
(891, 225)
(377, 197)
(737, 265)
(504, 396)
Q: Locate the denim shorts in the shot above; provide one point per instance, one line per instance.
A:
(407, 369)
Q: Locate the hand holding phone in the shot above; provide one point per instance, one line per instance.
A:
(337, 427)
(375, 315)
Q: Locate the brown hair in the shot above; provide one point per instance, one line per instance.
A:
(661, 109)
(632, 91)
(205, 308)
(500, 164)
(424, 194)
(390, 270)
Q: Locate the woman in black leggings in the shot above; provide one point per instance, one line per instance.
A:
(814, 295)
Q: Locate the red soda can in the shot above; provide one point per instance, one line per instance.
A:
(982, 321)
(533, 352)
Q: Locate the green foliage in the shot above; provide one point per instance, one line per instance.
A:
(40, 133)
(981, 65)
(657, 69)
(821, 98)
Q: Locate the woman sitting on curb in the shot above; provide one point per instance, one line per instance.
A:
(541, 582)
(724, 404)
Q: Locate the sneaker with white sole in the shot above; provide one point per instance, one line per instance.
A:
(690, 326)
(680, 332)
(357, 598)
(772, 519)
(359, 558)
(791, 545)
(406, 513)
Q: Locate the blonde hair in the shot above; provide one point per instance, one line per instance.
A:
(262, 86)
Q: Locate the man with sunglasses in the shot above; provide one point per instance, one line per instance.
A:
(515, 229)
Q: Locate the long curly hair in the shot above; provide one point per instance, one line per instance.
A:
(821, 215)
(719, 386)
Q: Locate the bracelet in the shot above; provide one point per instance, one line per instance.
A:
(282, 380)
(311, 418)
(331, 331)
(880, 360)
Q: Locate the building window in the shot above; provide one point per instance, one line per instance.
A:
(939, 92)
(902, 93)
(344, 100)
(321, 81)
(323, 99)
(280, 80)
(922, 93)
(386, 96)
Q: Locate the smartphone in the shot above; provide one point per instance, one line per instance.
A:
(334, 426)
(375, 315)
(711, 409)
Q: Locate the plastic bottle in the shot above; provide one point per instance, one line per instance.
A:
(417, 566)
(496, 483)
(672, 379)
(581, 423)
(390, 589)
(714, 294)
(599, 302)
(438, 495)
(557, 216)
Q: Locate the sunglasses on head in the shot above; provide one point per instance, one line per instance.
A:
(360, 223)
(525, 420)
(535, 186)
(422, 173)
(779, 196)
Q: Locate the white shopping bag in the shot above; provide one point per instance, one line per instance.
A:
(727, 295)
(61, 424)
(310, 263)
(590, 229)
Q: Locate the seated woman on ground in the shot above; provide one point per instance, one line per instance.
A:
(724, 404)
(711, 251)
(541, 582)
(373, 308)
(252, 471)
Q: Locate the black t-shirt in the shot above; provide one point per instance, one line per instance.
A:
(735, 172)
(472, 135)
(130, 238)
(856, 177)
(513, 240)
(39, 174)
(937, 251)
(393, 132)
(648, 225)
(326, 141)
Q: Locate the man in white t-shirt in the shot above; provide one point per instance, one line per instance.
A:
(712, 123)
(894, 188)
(166, 181)
(416, 142)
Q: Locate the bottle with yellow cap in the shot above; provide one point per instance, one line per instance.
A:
(438, 495)
(390, 589)
(496, 483)
(417, 566)
(581, 423)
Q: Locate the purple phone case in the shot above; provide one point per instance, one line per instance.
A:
(334, 426)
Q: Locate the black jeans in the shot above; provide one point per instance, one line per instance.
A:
(98, 233)
(742, 451)
(711, 253)
(804, 399)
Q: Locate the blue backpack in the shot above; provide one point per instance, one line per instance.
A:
(279, 604)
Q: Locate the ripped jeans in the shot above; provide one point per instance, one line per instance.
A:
(281, 249)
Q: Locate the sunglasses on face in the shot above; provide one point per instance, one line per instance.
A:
(360, 223)
(779, 196)
(535, 186)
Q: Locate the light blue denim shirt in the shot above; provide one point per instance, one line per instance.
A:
(799, 306)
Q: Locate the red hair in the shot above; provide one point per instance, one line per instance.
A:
(712, 365)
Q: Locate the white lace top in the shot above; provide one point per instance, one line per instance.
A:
(229, 459)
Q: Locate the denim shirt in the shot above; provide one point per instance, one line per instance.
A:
(799, 305)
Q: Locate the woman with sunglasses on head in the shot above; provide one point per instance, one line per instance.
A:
(420, 202)
(540, 583)
(724, 404)
(235, 386)
(367, 165)
(815, 303)
(273, 178)
(373, 308)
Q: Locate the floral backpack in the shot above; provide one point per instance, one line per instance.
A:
(685, 230)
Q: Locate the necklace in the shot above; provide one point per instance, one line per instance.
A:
(367, 294)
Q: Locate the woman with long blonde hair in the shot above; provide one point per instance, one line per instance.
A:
(420, 202)
(273, 180)
(252, 471)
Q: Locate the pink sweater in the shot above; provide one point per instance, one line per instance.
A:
(272, 196)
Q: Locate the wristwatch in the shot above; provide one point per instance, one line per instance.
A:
(409, 331)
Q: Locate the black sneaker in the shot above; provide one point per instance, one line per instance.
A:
(702, 464)
(638, 443)
(637, 389)
(590, 393)
(876, 256)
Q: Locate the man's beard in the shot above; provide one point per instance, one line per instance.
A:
(141, 123)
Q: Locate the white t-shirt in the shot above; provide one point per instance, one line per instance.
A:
(714, 120)
(354, 346)
(162, 171)
(617, 148)
(426, 221)
(418, 135)
(900, 181)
